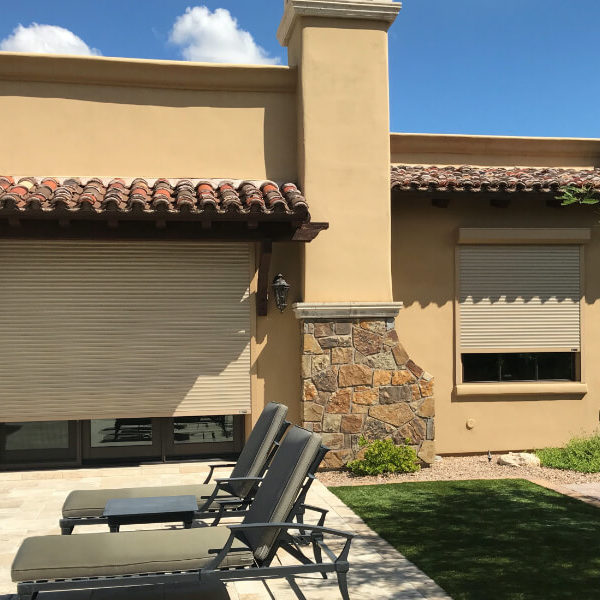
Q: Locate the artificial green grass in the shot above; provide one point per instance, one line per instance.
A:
(488, 540)
(580, 454)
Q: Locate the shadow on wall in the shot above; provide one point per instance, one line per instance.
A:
(424, 241)
(278, 363)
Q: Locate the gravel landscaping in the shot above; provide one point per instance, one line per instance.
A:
(463, 467)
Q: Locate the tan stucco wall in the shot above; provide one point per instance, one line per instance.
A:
(344, 156)
(423, 268)
(74, 116)
(503, 151)
(211, 127)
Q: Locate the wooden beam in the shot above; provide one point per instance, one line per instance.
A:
(309, 231)
(262, 292)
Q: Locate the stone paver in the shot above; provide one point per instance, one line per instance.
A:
(30, 504)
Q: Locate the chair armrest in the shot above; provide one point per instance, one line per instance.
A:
(214, 466)
(315, 528)
(230, 479)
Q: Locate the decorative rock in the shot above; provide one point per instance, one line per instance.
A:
(415, 369)
(427, 452)
(394, 414)
(309, 391)
(323, 398)
(383, 360)
(377, 430)
(311, 346)
(320, 362)
(400, 355)
(381, 377)
(323, 329)
(312, 412)
(376, 326)
(427, 408)
(391, 338)
(351, 424)
(365, 341)
(430, 429)
(335, 459)
(341, 356)
(306, 368)
(519, 459)
(416, 390)
(400, 377)
(335, 341)
(355, 375)
(326, 381)
(340, 402)
(365, 395)
(317, 427)
(309, 328)
(331, 423)
(426, 387)
(395, 394)
(334, 441)
(360, 409)
(414, 430)
(342, 328)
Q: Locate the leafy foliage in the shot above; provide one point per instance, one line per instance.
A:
(572, 194)
(580, 454)
(383, 456)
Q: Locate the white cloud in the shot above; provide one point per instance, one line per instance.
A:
(207, 36)
(48, 39)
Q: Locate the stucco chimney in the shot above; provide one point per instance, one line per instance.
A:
(340, 49)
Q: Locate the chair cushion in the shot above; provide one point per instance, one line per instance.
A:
(126, 553)
(91, 503)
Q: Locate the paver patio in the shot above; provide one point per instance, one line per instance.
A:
(30, 504)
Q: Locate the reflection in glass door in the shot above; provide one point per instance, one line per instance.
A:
(106, 439)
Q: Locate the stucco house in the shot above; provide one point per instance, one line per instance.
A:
(438, 291)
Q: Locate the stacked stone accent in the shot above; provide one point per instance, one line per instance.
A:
(358, 380)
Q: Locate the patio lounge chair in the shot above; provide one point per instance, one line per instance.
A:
(194, 556)
(85, 507)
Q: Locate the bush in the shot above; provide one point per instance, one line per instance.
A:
(580, 454)
(383, 456)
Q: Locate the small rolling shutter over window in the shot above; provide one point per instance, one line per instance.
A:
(119, 329)
(519, 297)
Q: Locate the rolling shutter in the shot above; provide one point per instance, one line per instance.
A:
(519, 297)
(94, 329)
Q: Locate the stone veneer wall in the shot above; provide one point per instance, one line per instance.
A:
(359, 380)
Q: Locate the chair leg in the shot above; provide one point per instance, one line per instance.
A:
(318, 556)
(66, 528)
(343, 585)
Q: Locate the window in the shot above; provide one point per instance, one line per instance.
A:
(519, 313)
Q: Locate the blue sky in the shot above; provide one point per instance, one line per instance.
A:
(502, 67)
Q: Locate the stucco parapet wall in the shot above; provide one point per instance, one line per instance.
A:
(146, 73)
(346, 310)
(492, 150)
(373, 10)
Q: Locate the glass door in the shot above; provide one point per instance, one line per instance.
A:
(201, 436)
(126, 439)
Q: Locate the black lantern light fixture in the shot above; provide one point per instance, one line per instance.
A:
(280, 289)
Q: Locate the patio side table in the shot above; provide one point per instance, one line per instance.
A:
(160, 509)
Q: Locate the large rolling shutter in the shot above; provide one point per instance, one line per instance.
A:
(123, 329)
(519, 297)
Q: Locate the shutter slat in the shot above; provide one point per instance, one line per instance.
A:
(97, 329)
(519, 297)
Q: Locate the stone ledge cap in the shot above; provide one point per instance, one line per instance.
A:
(346, 310)
(373, 10)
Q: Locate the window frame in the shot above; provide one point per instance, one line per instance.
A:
(519, 237)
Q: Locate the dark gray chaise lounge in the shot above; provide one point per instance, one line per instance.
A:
(85, 507)
(201, 555)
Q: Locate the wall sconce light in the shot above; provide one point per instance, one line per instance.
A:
(280, 289)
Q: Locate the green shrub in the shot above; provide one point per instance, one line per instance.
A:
(580, 454)
(383, 456)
